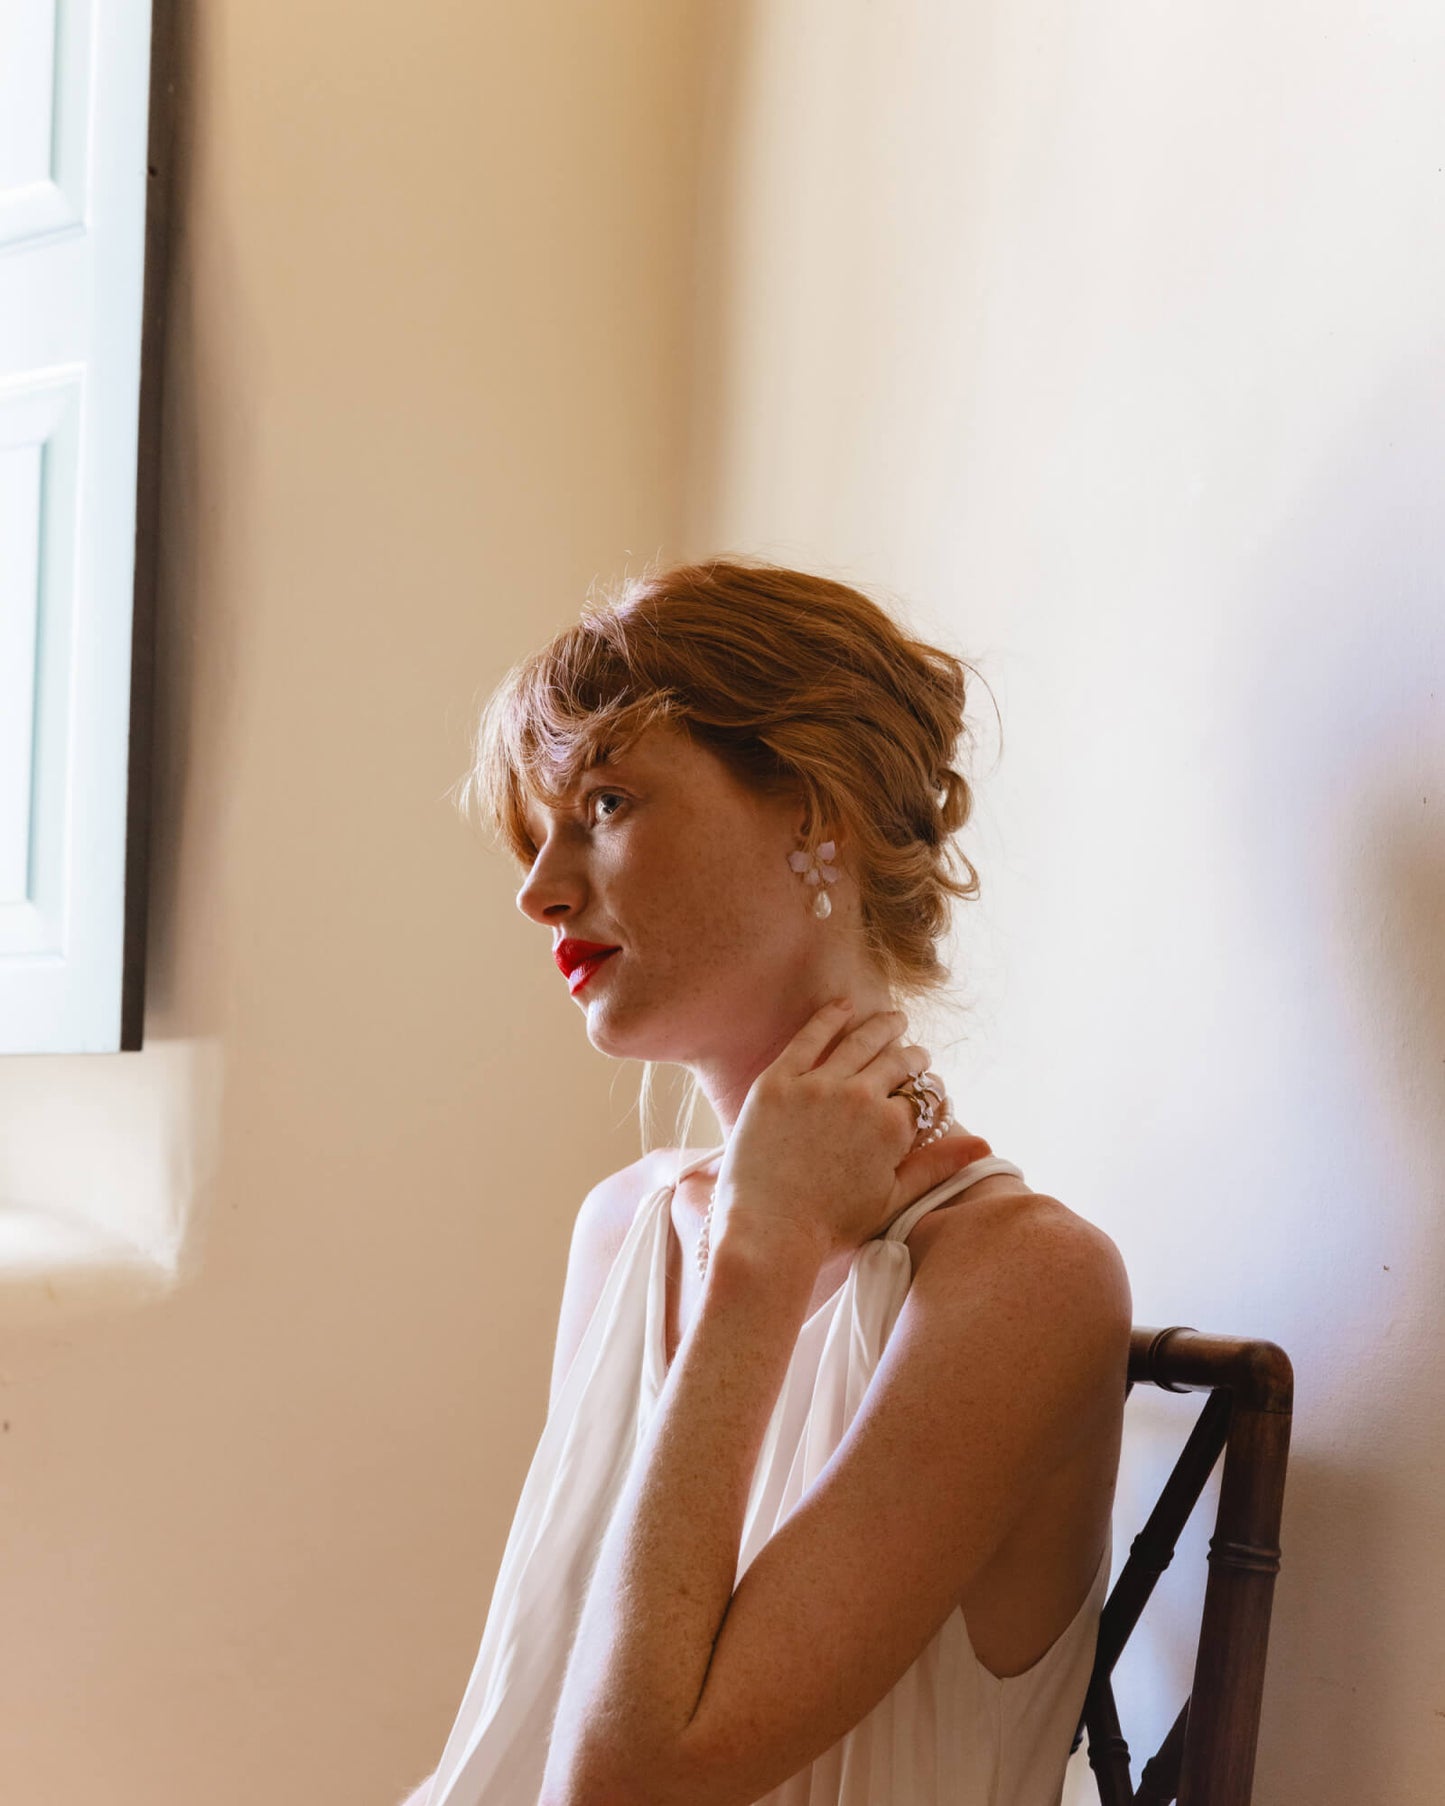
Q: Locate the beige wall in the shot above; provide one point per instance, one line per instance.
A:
(429, 307)
(1109, 340)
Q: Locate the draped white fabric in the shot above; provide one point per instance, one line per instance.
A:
(949, 1733)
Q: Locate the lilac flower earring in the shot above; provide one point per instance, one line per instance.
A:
(815, 870)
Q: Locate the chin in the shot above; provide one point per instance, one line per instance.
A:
(623, 1037)
(605, 1043)
(611, 1036)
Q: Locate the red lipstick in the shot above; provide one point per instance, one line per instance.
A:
(578, 960)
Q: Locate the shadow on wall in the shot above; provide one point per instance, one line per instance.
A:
(1341, 826)
(201, 546)
(1338, 831)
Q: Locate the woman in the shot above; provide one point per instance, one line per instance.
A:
(820, 1513)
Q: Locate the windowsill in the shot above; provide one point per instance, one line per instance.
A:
(104, 1159)
(48, 1262)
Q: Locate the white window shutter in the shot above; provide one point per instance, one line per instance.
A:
(74, 110)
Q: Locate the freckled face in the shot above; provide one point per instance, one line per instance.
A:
(665, 855)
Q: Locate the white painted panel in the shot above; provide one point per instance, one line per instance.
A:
(45, 71)
(19, 577)
(71, 276)
(27, 90)
(39, 447)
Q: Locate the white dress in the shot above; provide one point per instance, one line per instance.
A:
(948, 1733)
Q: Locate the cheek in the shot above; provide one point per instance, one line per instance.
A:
(709, 892)
(706, 881)
(745, 902)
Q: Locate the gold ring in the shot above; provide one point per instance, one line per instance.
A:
(923, 1098)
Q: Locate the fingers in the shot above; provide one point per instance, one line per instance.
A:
(806, 1047)
(872, 1046)
(895, 1063)
(863, 1043)
(892, 1067)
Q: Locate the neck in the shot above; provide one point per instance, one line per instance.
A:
(726, 1075)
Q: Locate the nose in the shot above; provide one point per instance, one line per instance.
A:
(553, 889)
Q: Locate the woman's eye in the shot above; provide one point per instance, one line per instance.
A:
(603, 795)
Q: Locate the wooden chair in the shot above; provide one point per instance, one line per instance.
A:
(1207, 1759)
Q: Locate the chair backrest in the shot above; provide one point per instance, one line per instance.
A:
(1207, 1759)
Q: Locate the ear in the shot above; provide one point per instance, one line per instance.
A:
(822, 832)
(805, 817)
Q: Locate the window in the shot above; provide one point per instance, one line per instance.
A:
(84, 141)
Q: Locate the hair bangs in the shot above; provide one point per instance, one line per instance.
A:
(574, 705)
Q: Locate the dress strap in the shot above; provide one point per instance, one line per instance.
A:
(898, 1229)
(692, 1166)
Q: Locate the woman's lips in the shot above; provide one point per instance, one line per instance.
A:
(580, 974)
(571, 950)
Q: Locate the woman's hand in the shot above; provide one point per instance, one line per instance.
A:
(819, 1148)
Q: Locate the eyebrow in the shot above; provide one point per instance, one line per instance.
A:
(614, 765)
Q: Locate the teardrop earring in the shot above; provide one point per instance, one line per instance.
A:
(815, 870)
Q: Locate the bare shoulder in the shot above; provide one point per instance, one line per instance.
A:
(599, 1229)
(1001, 1230)
(1021, 1308)
(605, 1214)
(1032, 1301)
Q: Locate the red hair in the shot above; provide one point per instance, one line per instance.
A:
(798, 683)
